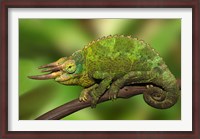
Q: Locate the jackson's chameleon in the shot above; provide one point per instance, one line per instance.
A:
(111, 62)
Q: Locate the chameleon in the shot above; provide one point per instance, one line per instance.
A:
(111, 62)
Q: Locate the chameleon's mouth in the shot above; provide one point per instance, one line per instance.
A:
(54, 70)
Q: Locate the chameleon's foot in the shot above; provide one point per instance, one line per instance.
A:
(94, 100)
(84, 95)
(113, 92)
(93, 103)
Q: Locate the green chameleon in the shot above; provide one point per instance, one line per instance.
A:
(111, 62)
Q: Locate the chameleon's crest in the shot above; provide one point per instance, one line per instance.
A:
(108, 37)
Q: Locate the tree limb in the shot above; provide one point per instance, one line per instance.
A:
(75, 105)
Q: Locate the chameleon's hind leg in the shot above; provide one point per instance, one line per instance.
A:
(156, 97)
(131, 77)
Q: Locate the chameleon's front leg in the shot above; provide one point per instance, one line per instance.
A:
(100, 90)
(84, 94)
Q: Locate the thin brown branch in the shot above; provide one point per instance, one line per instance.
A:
(75, 105)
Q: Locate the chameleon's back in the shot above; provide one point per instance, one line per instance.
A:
(119, 54)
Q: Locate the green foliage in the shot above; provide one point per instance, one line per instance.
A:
(43, 41)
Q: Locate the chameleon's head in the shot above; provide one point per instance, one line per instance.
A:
(65, 70)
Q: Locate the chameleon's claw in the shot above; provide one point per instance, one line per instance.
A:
(83, 98)
(113, 92)
(112, 96)
(85, 94)
(151, 85)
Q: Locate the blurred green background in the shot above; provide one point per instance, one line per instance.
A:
(42, 41)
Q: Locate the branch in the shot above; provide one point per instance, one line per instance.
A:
(75, 105)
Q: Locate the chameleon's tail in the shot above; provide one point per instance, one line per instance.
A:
(165, 97)
(161, 99)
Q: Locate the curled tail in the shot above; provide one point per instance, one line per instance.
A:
(166, 96)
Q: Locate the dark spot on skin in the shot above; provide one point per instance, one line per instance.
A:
(142, 59)
(160, 64)
(158, 70)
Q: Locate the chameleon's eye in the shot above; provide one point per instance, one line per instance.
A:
(70, 66)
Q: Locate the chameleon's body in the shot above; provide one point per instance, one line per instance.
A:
(112, 62)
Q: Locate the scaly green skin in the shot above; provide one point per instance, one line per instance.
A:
(114, 61)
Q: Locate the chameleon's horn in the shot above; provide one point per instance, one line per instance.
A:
(53, 69)
(54, 64)
(48, 65)
(46, 76)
